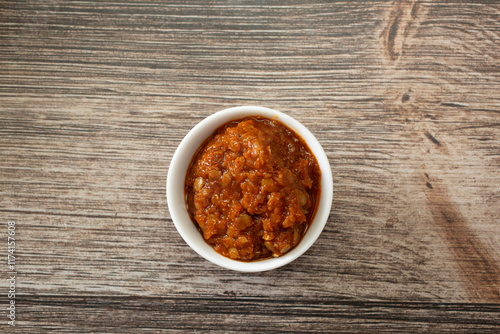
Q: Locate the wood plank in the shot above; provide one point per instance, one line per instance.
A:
(403, 96)
(175, 314)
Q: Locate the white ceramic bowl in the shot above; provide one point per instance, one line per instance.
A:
(177, 175)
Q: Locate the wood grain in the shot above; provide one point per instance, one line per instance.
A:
(403, 96)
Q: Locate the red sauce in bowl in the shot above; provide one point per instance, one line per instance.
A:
(252, 189)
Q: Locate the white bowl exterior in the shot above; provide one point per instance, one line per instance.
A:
(177, 174)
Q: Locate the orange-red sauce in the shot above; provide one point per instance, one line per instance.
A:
(252, 189)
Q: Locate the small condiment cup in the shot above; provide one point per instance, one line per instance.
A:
(177, 174)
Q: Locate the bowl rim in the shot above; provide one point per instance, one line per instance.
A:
(182, 157)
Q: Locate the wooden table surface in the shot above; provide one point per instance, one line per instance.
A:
(404, 96)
